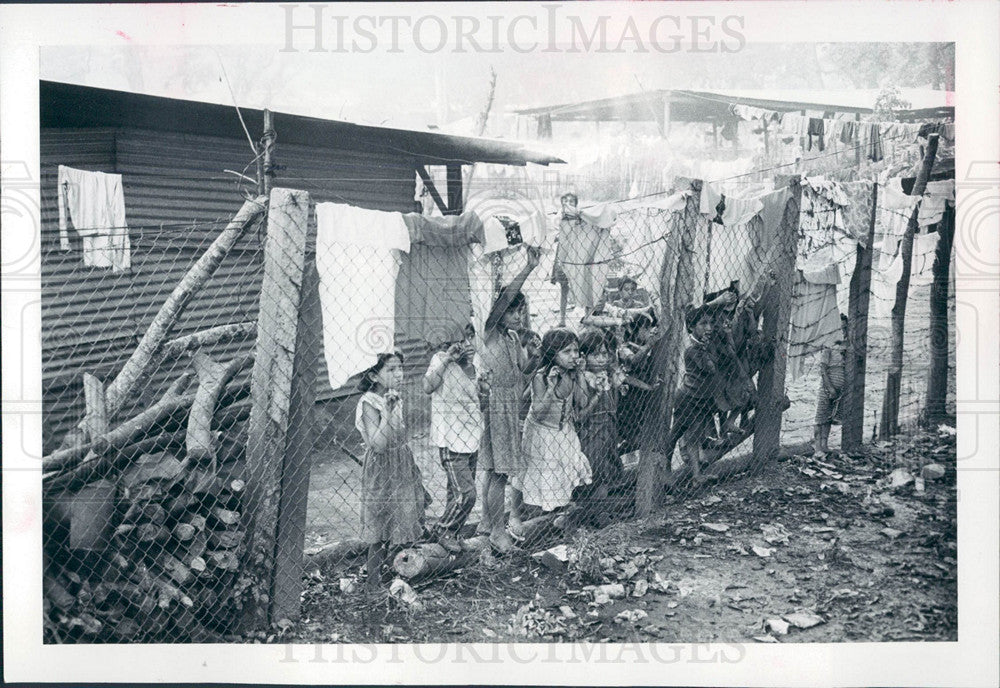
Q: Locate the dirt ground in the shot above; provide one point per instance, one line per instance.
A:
(831, 543)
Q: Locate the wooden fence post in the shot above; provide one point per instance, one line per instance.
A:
(853, 429)
(281, 412)
(777, 316)
(937, 373)
(676, 291)
(889, 424)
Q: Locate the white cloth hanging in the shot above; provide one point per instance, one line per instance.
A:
(95, 202)
(357, 257)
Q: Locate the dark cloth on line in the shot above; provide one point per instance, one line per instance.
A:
(815, 129)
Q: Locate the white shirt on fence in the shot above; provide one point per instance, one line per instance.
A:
(456, 421)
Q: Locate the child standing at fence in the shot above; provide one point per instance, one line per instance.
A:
(393, 498)
(597, 417)
(832, 368)
(554, 461)
(456, 429)
(503, 362)
(694, 405)
(636, 356)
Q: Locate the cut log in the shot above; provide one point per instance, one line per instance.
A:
(175, 568)
(197, 565)
(212, 379)
(215, 335)
(222, 560)
(224, 516)
(58, 595)
(337, 553)
(162, 468)
(136, 368)
(202, 482)
(429, 560)
(225, 539)
(147, 533)
(146, 513)
(184, 532)
(198, 521)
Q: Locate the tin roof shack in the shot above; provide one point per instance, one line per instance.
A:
(179, 162)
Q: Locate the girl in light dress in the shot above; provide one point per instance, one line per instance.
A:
(554, 461)
(393, 498)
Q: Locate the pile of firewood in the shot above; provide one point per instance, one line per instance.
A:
(151, 549)
(144, 533)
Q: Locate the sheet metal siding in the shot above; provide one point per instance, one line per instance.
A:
(177, 199)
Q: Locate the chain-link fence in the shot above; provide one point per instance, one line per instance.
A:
(405, 396)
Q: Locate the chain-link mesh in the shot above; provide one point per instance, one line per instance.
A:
(408, 397)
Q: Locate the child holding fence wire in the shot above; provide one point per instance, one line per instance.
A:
(456, 429)
(554, 462)
(393, 498)
(597, 419)
(503, 361)
(832, 366)
(694, 404)
(636, 355)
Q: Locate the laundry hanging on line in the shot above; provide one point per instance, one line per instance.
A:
(433, 297)
(815, 318)
(358, 253)
(95, 203)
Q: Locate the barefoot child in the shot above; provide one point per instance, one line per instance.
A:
(392, 490)
(503, 362)
(554, 463)
(456, 428)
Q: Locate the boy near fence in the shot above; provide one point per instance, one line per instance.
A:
(694, 404)
(456, 429)
(393, 497)
(597, 419)
(832, 368)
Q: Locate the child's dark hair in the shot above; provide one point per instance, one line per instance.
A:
(695, 314)
(367, 381)
(593, 341)
(638, 321)
(553, 342)
(567, 196)
(517, 302)
(627, 280)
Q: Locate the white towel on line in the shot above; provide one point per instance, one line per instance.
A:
(95, 202)
(357, 257)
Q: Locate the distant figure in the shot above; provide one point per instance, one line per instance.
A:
(832, 367)
(628, 296)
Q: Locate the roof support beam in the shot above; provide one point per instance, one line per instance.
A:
(429, 184)
(455, 195)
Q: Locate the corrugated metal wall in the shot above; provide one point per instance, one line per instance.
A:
(177, 198)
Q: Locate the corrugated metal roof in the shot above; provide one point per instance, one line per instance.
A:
(70, 105)
(177, 199)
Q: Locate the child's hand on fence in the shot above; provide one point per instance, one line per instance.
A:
(553, 377)
(454, 353)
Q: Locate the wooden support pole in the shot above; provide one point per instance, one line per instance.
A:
(677, 287)
(454, 190)
(777, 316)
(853, 428)
(857, 138)
(269, 136)
(279, 417)
(889, 424)
(96, 419)
(937, 374)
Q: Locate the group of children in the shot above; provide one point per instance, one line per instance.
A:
(548, 416)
